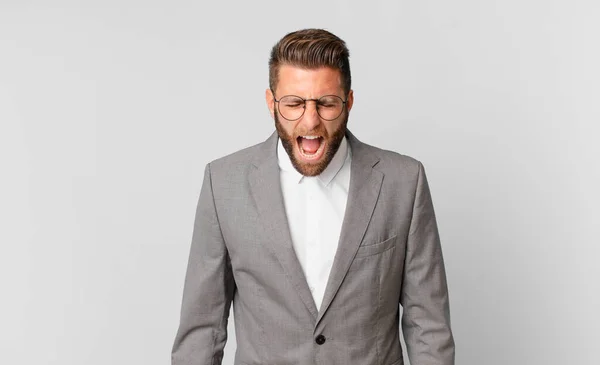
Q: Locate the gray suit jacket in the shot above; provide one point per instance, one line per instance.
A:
(388, 254)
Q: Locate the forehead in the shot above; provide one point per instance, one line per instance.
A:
(308, 83)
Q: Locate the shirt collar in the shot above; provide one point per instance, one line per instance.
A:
(285, 164)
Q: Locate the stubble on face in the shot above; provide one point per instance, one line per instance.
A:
(333, 144)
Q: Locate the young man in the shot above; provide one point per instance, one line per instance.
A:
(316, 237)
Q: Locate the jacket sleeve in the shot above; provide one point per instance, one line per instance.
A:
(208, 289)
(424, 296)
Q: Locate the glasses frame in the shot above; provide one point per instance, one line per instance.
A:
(304, 108)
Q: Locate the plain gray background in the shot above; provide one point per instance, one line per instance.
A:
(109, 111)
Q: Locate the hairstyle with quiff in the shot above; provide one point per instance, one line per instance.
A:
(310, 49)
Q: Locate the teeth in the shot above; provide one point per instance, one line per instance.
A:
(310, 137)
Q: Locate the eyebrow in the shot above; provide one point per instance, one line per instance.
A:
(302, 97)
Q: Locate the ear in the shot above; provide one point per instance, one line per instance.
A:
(350, 100)
(270, 99)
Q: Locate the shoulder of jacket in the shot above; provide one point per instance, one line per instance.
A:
(394, 161)
(244, 156)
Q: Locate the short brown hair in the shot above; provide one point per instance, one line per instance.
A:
(310, 48)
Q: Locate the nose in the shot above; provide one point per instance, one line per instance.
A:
(311, 118)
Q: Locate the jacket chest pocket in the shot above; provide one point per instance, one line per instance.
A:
(372, 256)
(375, 248)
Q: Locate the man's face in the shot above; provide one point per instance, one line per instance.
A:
(309, 156)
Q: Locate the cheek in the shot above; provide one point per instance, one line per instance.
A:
(332, 128)
(295, 129)
(288, 127)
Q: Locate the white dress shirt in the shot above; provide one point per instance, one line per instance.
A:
(315, 207)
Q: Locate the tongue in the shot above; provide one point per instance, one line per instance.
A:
(310, 145)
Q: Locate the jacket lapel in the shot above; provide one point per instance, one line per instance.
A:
(365, 184)
(266, 189)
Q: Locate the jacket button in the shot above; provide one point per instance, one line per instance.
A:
(320, 339)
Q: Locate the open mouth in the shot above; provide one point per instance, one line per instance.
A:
(311, 147)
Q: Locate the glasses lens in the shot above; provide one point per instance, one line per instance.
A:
(330, 107)
(291, 107)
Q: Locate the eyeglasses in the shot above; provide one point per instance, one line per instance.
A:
(292, 107)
